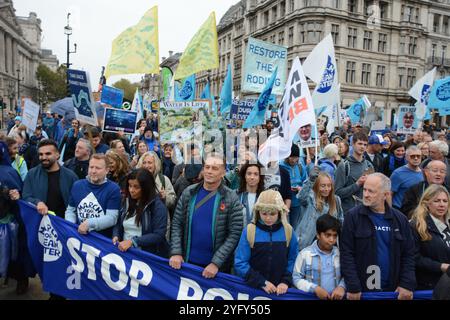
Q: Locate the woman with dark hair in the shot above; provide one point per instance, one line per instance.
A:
(143, 217)
(385, 151)
(395, 159)
(251, 185)
(118, 169)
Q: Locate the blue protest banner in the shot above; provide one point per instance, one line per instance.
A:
(261, 59)
(83, 101)
(90, 267)
(440, 96)
(112, 96)
(240, 109)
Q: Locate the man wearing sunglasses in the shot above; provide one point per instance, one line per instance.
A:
(407, 176)
(408, 120)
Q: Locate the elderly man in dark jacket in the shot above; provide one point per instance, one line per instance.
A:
(377, 245)
(207, 222)
(435, 172)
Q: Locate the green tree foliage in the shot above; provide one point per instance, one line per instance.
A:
(128, 88)
(53, 84)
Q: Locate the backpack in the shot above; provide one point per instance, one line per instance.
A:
(251, 231)
(347, 167)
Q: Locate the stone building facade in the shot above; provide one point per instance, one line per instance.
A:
(382, 46)
(20, 54)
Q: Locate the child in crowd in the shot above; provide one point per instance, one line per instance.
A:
(317, 268)
(267, 249)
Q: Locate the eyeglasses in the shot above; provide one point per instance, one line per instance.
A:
(415, 156)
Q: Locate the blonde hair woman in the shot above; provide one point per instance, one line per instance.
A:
(316, 199)
(430, 224)
(152, 163)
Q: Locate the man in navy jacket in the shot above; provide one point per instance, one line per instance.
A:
(377, 246)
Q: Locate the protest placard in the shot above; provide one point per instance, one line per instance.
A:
(407, 122)
(117, 120)
(30, 114)
(112, 96)
(83, 101)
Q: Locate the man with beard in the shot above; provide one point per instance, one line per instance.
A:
(48, 185)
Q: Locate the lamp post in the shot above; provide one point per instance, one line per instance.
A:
(68, 33)
(19, 102)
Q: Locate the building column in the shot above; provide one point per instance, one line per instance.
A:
(8, 47)
(441, 22)
(2, 50)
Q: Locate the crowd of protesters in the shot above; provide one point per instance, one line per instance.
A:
(364, 212)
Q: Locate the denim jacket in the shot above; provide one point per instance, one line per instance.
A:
(307, 269)
(306, 229)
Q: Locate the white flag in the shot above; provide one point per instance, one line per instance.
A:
(137, 105)
(421, 90)
(320, 67)
(296, 111)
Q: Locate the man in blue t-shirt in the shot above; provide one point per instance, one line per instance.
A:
(377, 245)
(95, 201)
(407, 176)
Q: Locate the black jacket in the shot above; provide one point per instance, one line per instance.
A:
(386, 162)
(377, 161)
(442, 289)
(429, 256)
(359, 250)
(80, 168)
(154, 227)
(412, 197)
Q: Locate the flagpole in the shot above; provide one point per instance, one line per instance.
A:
(316, 162)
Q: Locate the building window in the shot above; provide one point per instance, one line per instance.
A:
(335, 33)
(368, 10)
(352, 6)
(266, 18)
(352, 36)
(411, 80)
(436, 20)
(312, 3)
(291, 37)
(365, 75)
(412, 47)
(410, 14)
(401, 78)
(367, 40)
(253, 24)
(289, 65)
(238, 47)
(282, 9)
(336, 4)
(229, 42)
(381, 72)
(274, 14)
(382, 42)
(445, 24)
(384, 6)
(281, 38)
(433, 51)
(272, 38)
(302, 33)
(402, 44)
(350, 72)
(291, 5)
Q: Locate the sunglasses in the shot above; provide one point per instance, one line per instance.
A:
(415, 156)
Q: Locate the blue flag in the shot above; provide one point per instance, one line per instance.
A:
(356, 111)
(187, 92)
(206, 94)
(226, 98)
(90, 267)
(258, 114)
(440, 95)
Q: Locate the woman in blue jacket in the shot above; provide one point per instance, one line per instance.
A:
(316, 199)
(430, 223)
(143, 217)
(266, 252)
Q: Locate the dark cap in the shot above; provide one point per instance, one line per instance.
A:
(148, 129)
(191, 171)
(295, 151)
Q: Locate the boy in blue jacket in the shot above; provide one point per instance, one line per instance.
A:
(317, 268)
(267, 250)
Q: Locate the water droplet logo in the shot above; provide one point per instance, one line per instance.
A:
(187, 91)
(48, 238)
(425, 94)
(328, 77)
(443, 92)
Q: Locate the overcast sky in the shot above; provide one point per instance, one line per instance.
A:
(96, 23)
